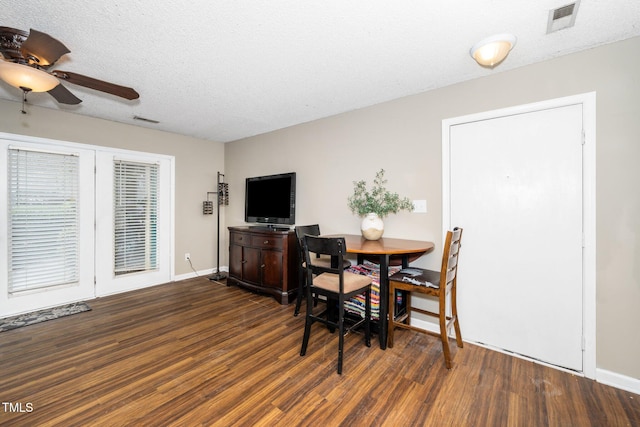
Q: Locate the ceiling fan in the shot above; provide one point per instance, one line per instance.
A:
(25, 62)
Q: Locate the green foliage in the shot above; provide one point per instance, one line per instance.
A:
(377, 200)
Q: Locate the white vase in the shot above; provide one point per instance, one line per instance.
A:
(372, 227)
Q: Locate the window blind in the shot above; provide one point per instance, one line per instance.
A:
(135, 216)
(43, 219)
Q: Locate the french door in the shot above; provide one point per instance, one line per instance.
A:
(79, 221)
(133, 224)
(46, 223)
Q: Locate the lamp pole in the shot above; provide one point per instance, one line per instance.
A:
(222, 200)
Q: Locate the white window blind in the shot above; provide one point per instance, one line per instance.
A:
(135, 216)
(43, 219)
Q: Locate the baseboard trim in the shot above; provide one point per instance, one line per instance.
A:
(616, 380)
(200, 273)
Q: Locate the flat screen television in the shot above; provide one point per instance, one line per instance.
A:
(271, 199)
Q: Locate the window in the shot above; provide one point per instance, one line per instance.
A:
(135, 216)
(43, 219)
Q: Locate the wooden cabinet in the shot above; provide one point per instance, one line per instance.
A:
(264, 260)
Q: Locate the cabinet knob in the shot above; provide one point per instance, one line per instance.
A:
(244, 261)
(265, 242)
(262, 266)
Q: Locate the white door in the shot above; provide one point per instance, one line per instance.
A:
(46, 225)
(516, 188)
(134, 225)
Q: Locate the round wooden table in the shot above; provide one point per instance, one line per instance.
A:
(383, 249)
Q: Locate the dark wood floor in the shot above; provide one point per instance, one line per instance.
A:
(200, 353)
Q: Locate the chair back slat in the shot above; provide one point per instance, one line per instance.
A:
(334, 247)
(449, 270)
(453, 262)
(455, 247)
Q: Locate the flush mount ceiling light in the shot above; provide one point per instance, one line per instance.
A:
(26, 77)
(493, 50)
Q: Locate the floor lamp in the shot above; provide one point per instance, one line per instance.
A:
(223, 200)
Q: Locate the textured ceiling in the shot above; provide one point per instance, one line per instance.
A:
(224, 70)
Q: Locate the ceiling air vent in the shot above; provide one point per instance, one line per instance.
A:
(144, 119)
(562, 17)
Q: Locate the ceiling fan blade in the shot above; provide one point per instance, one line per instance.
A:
(44, 48)
(102, 86)
(64, 96)
(11, 40)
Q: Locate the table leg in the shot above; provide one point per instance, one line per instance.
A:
(405, 261)
(384, 300)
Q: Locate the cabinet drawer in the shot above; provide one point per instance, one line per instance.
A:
(266, 242)
(240, 239)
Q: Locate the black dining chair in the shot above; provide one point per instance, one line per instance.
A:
(301, 231)
(335, 284)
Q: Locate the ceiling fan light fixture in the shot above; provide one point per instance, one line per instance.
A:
(26, 77)
(493, 50)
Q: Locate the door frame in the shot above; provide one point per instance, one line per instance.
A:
(588, 102)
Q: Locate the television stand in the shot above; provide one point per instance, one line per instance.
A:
(265, 260)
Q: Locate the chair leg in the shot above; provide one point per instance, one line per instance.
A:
(367, 319)
(456, 324)
(443, 333)
(341, 334)
(307, 325)
(300, 291)
(391, 313)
